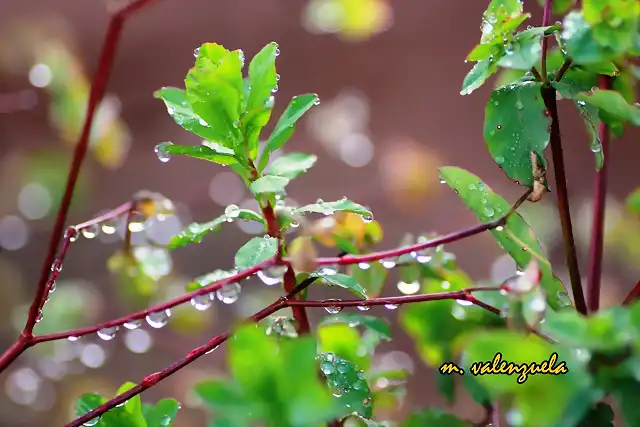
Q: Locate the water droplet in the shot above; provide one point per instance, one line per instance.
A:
(196, 51)
(108, 227)
(333, 309)
(108, 333)
(274, 89)
(232, 211)
(499, 228)
(272, 275)
(73, 338)
(409, 288)
(277, 77)
(276, 52)
(499, 160)
(201, 302)
(320, 202)
(514, 417)
(364, 307)
(158, 319)
(91, 231)
(52, 288)
(367, 218)
(364, 265)
(464, 302)
(489, 211)
(165, 420)
(317, 101)
(388, 263)
(596, 148)
(162, 151)
(71, 233)
(499, 127)
(519, 105)
(342, 368)
(564, 298)
(328, 270)
(92, 422)
(270, 102)
(56, 267)
(294, 224)
(136, 222)
(229, 293)
(538, 304)
(547, 113)
(39, 317)
(327, 368)
(391, 306)
(443, 181)
(133, 324)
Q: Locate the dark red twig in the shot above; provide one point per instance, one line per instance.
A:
(597, 228)
(633, 295)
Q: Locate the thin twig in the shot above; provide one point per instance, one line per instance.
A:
(546, 17)
(599, 200)
(536, 74)
(563, 69)
(549, 97)
(633, 295)
(151, 380)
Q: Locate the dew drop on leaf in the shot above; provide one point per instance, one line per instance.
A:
(201, 302)
(327, 368)
(158, 319)
(108, 333)
(564, 298)
(232, 211)
(499, 127)
(196, 51)
(229, 293)
(367, 218)
(162, 151)
(499, 160)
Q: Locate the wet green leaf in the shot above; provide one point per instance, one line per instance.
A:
(215, 91)
(180, 110)
(255, 251)
(209, 151)
(195, 232)
(329, 208)
(517, 238)
(286, 124)
(348, 384)
(162, 414)
(524, 52)
(342, 280)
(612, 104)
(269, 184)
(433, 418)
(516, 125)
(262, 76)
(580, 43)
(292, 164)
(479, 74)
(559, 7)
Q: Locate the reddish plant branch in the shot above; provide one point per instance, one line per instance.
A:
(597, 228)
(555, 140)
(151, 380)
(633, 295)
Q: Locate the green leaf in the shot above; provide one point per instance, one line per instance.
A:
(180, 110)
(559, 7)
(517, 238)
(286, 124)
(348, 384)
(262, 76)
(581, 46)
(252, 123)
(269, 184)
(523, 53)
(607, 331)
(133, 406)
(447, 387)
(614, 22)
(479, 74)
(162, 414)
(433, 418)
(372, 278)
(372, 323)
(215, 91)
(88, 402)
(292, 164)
(329, 208)
(633, 201)
(613, 104)
(343, 341)
(516, 125)
(342, 280)
(195, 232)
(551, 393)
(255, 251)
(626, 394)
(209, 151)
(500, 19)
(225, 399)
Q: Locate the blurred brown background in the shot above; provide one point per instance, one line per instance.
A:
(388, 74)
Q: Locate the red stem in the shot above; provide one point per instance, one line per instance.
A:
(633, 295)
(597, 228)
(546, 17)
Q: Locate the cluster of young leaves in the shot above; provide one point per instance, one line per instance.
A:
(133, 413)
(600, 38)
